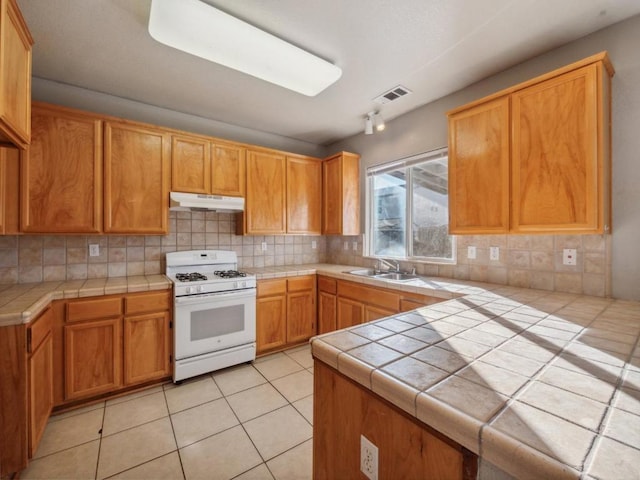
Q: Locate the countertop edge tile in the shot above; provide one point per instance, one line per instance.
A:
(400, 394)
(355, 369)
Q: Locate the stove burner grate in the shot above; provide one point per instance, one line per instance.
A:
(190, 277)
(229, 273)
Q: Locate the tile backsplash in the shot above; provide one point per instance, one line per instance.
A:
(37, 258)
(533, 261)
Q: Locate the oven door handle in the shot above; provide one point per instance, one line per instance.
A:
(207, 297)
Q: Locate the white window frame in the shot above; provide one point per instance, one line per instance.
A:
(394, 165)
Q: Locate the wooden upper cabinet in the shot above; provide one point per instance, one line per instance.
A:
(136, 184)
(9, 192)
(558, 181)
(266, 193)
(228, 165)
(61, 186)
(190, 164)
(15, 76)
(341, 194)
(559, 155)
(304, 195)
(479, 169)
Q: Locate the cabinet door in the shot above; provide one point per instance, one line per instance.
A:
(479, 169)
(40, 391)
(301, 316)
(271, 318)
(350, 313)
(304, 195)
(146, 347)
(266, 193)
(326, 312)
(62, 173)
(136, 169)
(93, 357)
(555, 159)
(190, 164)
(374, 313)
(15, 76)
(9, 192)
(228, 170)
(341, 194)
(332, 196)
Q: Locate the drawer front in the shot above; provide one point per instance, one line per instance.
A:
(327, 284)
(95, 308)
(300, 283)
(147, 302)
(272, 287)
(40, 328)
(370, 295)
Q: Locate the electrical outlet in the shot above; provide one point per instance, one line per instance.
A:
(471, 253)
(346, 245)
(264, 246)
(354, 245)
(94, 250)
(569, 256)
(314, 244)
(368, 458)
(494, 253)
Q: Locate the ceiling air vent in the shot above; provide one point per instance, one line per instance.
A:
(393, 94)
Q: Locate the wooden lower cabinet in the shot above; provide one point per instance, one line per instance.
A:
(349, 313)
(408, 449)
(374, 313)
(327, 312)
(40, 390)
(286, 312)
(147, 347)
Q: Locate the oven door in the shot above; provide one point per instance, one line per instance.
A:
(213, 322)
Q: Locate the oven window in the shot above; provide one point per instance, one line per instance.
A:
(216, 322)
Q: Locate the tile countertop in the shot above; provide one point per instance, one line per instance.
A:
(21, 303)
(540, 384)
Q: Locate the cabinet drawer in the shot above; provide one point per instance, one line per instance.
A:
(369, 295)
(94, 308)
(147, 302)
(271, 287)
(326, 284)
(300, 283)
(40, 328)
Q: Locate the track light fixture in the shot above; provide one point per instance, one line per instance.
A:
(373, 119)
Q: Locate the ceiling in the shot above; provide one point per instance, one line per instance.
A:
(432, 47)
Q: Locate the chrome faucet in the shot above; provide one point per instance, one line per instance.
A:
(389, 263)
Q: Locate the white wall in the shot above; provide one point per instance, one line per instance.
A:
(425, 129)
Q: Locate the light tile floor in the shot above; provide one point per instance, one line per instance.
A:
(244, 422)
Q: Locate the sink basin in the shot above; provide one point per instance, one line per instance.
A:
(397, 276)
(365, 272)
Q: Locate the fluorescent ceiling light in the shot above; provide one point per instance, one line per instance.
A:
(202, 30)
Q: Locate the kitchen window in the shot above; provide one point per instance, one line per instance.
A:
(408, 209)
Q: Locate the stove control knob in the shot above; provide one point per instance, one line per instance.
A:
(244, 284)
(199, 288)
(187, 290)
(235, 284)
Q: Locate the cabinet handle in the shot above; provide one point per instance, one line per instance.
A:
(29, 341)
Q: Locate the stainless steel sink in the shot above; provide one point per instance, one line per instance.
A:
(365, 272)
(397, 276)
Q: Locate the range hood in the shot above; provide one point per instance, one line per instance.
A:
(196, 201)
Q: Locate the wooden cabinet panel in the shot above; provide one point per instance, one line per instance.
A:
(350, 313)
(190, 164)
(146, 347)
(271, 317)
(40, 390)
(343, 411)
(148, 302)
(272, 287)
(61, 188)
(9, 192)
(228, 165)
(341, 194)
(136, 170)
(266, 193)
(304, 195)
(327, 284)
(374, 313)
(15, 76)
(301, 315)
(479, 169)
(93, 358)
(327, 312)
(94, 308)
(555, 157)
(384, 298)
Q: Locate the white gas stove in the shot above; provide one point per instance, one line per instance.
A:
(215, 311)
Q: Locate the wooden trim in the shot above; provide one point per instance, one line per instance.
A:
(327, 284)
(270, 287)
(93, 308)
(146, 302)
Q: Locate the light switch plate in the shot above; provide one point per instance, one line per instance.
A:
(264, 246)
(314, 244)
(354, 245)
(94, 250)
(494, 253)
(471, 253)
(569, 256)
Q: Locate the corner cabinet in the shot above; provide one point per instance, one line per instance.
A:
(15, 76)
(9, 194)
(535, 158)
(62, 173)
(136, 178)
(341, 194)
